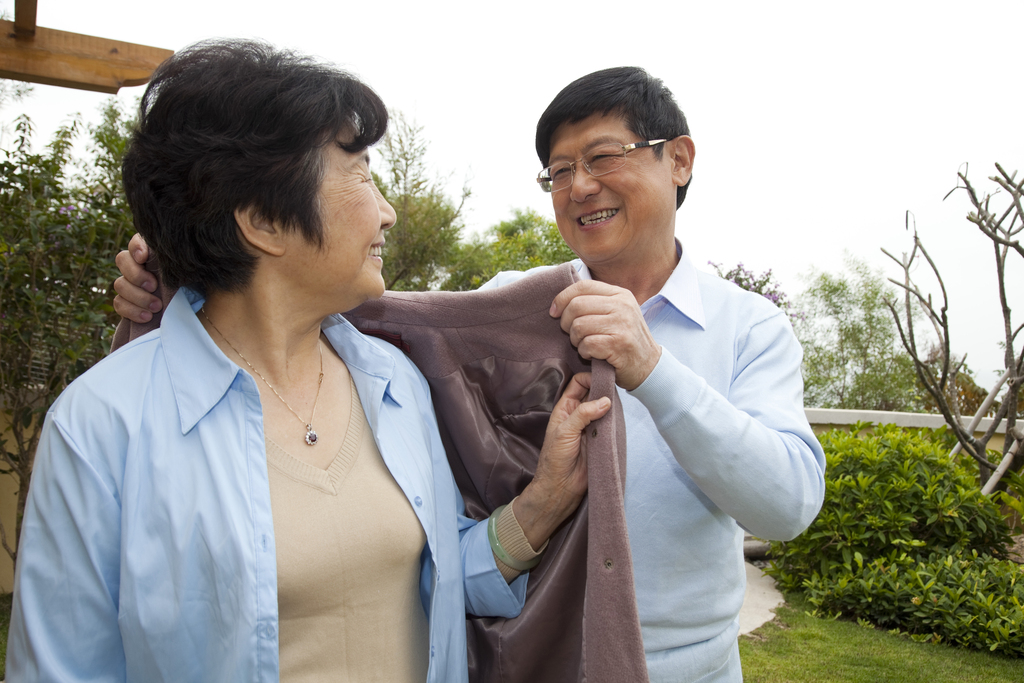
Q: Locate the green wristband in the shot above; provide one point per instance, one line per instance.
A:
(499, 552)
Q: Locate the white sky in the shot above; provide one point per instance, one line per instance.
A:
(817, 125)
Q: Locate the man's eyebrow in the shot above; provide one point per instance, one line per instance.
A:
(596, 142)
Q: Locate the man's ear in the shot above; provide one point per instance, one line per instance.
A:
(260, 233)
(681, 150)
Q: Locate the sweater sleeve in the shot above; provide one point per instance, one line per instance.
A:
(752, 452)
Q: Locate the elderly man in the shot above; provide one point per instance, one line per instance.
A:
(709, 374)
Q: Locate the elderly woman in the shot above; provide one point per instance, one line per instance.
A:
(257, 491)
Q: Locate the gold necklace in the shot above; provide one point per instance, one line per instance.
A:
(311, 437)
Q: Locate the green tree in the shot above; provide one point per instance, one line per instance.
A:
(853, 357)
(57, 233)
(429, 226)
(526, 241)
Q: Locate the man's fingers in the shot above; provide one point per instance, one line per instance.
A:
(562, 299)
(128, 310)
(133, 294)
(134, 300)
(596, 346)
(134, 303)
(577, 289)
(139, 249)
(134, 272)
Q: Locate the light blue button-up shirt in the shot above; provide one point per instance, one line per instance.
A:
(147, 549)
(717, 441)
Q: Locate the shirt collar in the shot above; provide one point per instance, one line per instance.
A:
(372, 369)
(681, 290)
(200, 372)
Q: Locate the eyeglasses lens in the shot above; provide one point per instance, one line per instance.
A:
(598, 162)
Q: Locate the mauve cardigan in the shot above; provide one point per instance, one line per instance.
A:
(497, 362)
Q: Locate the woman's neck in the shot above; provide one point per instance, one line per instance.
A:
(265, 330)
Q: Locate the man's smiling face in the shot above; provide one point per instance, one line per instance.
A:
(625, 219)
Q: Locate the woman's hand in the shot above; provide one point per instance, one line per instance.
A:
(560, 482)
(134, 288)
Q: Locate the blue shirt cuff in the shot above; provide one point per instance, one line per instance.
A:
(487, 593)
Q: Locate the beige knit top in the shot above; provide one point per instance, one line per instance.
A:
(348, 566)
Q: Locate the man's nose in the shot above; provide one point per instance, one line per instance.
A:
(583, 183)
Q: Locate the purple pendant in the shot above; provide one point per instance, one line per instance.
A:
(310, 435)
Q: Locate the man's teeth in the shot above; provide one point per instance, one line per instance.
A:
(376, 251)
(599, 216)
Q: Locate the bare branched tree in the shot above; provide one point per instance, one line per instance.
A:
(938, 374)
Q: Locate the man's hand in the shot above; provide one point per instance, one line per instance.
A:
(560, 481)
(134, 288)
(605, 322)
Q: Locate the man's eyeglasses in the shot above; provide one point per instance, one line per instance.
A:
(600, 161)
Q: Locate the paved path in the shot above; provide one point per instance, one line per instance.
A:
(761, 598)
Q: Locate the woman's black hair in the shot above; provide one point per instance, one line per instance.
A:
(237, 124)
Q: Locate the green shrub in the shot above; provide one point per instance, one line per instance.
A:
(969, 600)
(892, 489)
(1012, 499)
(906, 540)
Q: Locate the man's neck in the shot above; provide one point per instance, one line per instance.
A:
(643, 280)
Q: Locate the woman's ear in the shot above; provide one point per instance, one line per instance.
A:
(682, 151)
(260, 233)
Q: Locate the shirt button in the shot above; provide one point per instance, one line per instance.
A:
(431, 650)
(418, 501)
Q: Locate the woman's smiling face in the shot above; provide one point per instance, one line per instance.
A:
(355, 216)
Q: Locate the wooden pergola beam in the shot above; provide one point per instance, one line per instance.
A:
(71, 60)
(25, 18)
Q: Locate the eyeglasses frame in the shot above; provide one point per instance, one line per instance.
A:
(626, 149)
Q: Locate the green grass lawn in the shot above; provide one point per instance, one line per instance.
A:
(797, 647)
